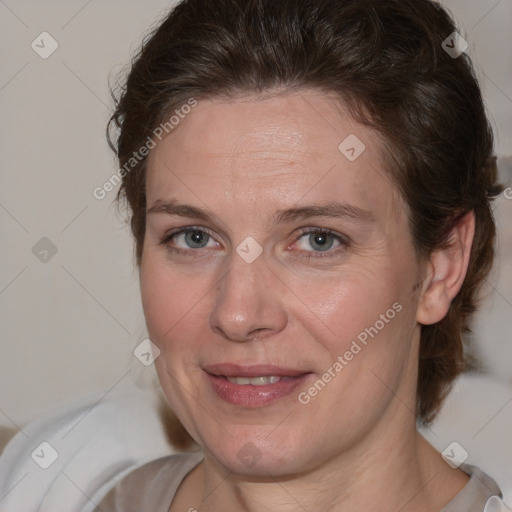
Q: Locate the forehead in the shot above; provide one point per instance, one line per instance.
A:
(282, 150)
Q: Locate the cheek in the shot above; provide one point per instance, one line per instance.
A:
(164, 299)
(369, 318)
(155, 294)
(175, 307)
(353, 301)
(368, 349)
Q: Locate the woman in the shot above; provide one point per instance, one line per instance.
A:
(309, 184)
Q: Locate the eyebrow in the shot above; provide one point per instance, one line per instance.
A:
(332, 209)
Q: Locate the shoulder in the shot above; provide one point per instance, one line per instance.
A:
(480, 494)
(151, 486)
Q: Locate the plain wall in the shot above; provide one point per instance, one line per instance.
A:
(69, 325)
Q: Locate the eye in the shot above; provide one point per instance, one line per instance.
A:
(322, 240)
(190, 238)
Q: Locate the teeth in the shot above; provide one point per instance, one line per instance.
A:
(254, 381)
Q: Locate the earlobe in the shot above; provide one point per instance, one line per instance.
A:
(446, 271)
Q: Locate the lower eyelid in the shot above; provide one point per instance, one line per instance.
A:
(331, 252)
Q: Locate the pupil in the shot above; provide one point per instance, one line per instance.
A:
(195, 237)
(320, 241)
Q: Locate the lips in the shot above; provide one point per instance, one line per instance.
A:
(253, 385)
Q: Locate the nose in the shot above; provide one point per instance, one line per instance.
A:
(249, 301)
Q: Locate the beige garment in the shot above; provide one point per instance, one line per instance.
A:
(151, 488)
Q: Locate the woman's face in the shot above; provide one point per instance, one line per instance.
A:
(328, 318)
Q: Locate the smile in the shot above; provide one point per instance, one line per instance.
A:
(254, 386)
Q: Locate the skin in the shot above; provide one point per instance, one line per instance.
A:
(354, 446)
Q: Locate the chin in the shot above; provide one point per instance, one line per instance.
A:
(254, 455)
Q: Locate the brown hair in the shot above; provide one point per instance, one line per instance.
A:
(386, 63)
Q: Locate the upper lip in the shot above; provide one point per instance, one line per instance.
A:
(259, 370)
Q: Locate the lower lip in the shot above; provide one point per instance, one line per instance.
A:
(254, 396)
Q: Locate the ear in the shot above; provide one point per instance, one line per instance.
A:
(446, 271)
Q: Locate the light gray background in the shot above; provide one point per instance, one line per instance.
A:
(69, 325)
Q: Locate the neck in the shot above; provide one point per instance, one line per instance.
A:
(372, 475)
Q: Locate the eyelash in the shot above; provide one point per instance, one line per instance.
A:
(344, 242)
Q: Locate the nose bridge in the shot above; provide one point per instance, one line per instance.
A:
(244, 302)
(242, 276)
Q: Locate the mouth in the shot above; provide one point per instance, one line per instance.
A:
(254, 385)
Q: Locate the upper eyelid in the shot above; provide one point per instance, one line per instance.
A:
(180, 231)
